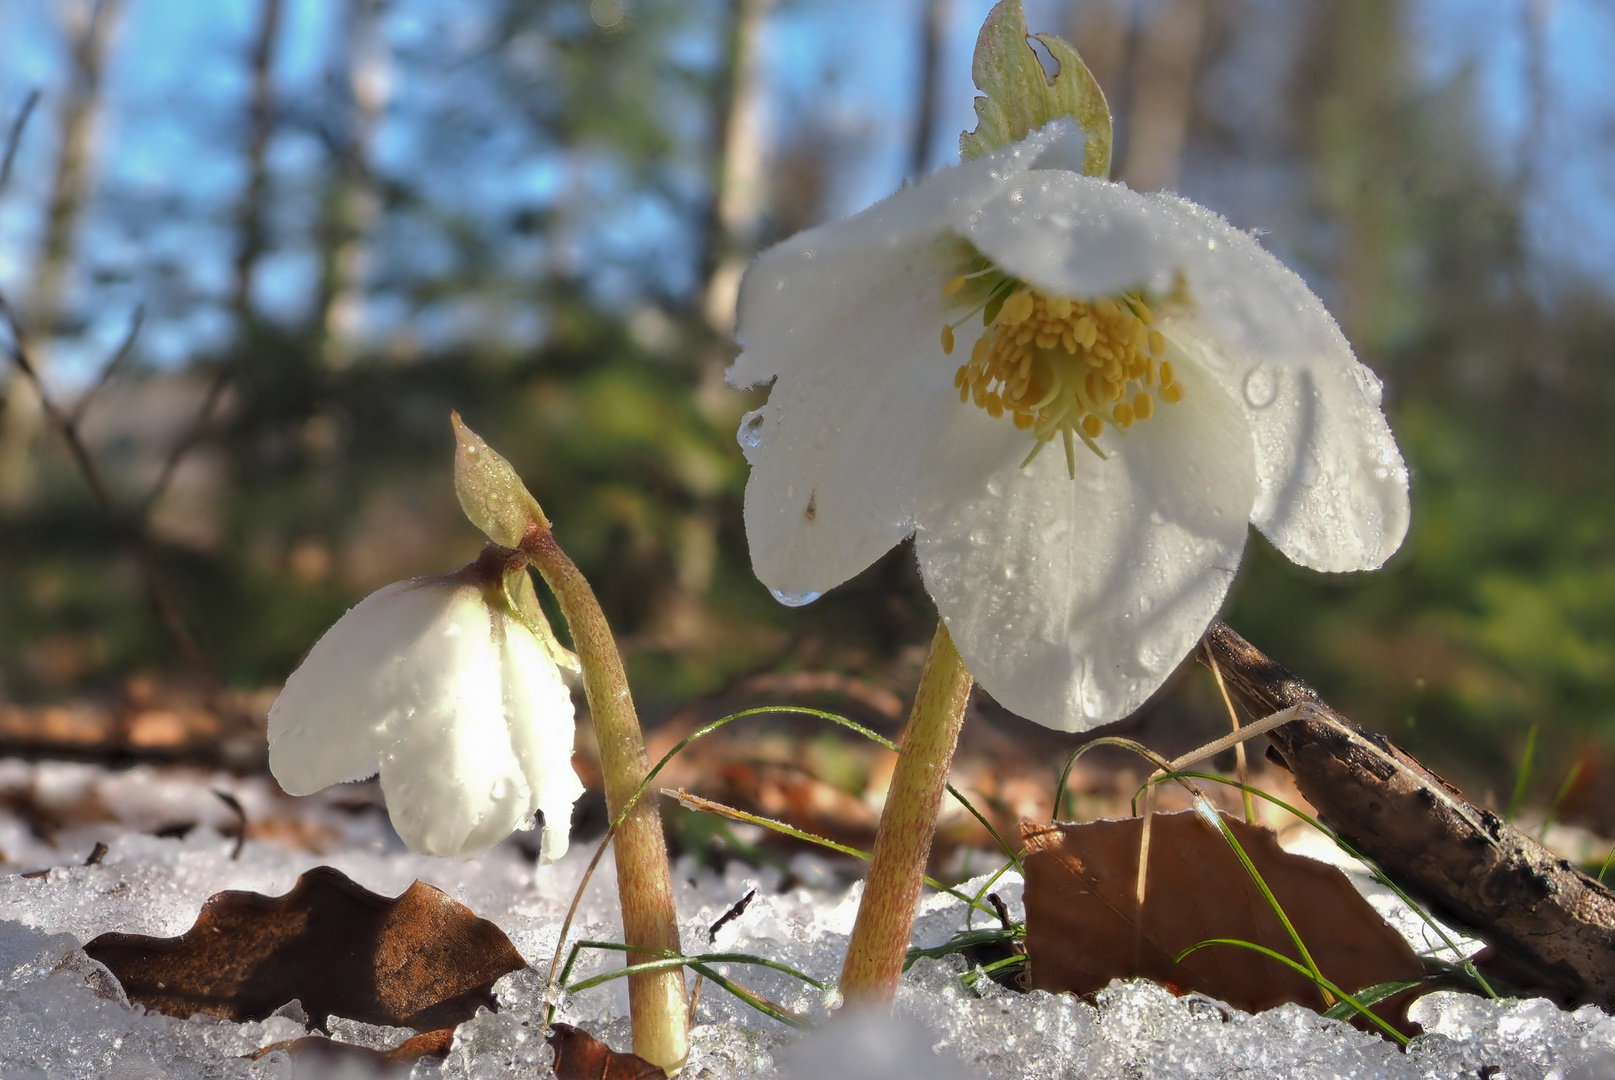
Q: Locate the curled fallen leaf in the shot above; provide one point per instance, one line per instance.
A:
(420, 960)
(581, 1056)
(1084, 927)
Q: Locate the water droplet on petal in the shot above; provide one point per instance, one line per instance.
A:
(795, 599)
(750, 434)
(1260, 387)
(1095, 702)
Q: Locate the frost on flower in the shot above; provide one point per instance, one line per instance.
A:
(1075, 397)
(454, 700)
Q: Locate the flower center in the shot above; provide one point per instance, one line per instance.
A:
(1062, 366)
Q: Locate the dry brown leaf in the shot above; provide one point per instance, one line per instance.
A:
(581, 1056)
(791, 794)
(319, 1050)
(421, 960)
(1083, 927)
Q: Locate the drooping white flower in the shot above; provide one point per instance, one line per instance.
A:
(453, 699)
(1194, 385)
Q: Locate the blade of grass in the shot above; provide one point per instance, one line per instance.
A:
(696, 802)
(975, 902)
(1241, 766)
(701, 965)
(1210, 815)
(1322, 983)
(1558, 800)
(1373, 995)
(1379, 875)
(966, 939)
(972, 978)
(639, 793)
(1522, 775)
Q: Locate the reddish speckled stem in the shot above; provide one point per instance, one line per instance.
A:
(644, 881)
(903, 845)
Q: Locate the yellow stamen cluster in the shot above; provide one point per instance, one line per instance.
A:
(1068, 367)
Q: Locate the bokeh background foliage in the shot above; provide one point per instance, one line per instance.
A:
(343, 220)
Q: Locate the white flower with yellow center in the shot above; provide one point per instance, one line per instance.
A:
(453, 699)
(925, 353)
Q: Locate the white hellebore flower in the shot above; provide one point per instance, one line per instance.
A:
(457, 703)
(1193, 382)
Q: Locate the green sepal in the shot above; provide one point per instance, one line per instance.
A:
(522, 599)
(1019, 98)
(491, 494)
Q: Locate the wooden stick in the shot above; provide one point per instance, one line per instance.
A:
(1551, 922)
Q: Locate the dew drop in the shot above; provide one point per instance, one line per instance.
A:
(1095, 702)
(750, 434)
(795, 599)
(1260, 387)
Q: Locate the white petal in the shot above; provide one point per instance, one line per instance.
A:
(843, 441)
(1071, 600)
(847, 319)
(1333, 490)
(799, 289)
(450, 775)
(1075, 235)
(330, 722)
(539, 714)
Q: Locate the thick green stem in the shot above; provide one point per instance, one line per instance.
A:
(644, 880)
(903, 844)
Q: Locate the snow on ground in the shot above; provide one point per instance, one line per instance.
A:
(60, 1016)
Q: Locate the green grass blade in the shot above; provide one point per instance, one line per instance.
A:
(1522, 776)
(1209, 814)
(1372, 995)
(1379, 875)
(1319, 980)
(695, 802)
(965, 939)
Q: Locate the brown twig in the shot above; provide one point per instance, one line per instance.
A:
(14, 136)
(1553, 923)
(188, 441)
(110, 368)
(161, 600)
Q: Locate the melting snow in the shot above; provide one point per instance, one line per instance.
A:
(62, 1015)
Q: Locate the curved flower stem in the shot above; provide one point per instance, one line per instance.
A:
(879, 943)
(644, 880)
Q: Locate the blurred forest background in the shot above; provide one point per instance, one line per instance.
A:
(258, 250)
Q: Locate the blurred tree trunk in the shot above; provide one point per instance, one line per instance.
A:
(89, 27)
(1163, 95)
(740, 166)
(1101, 33)
(1355, 78)
(251, 240)
(1534, 34)
(933, 32)
(354, 201)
